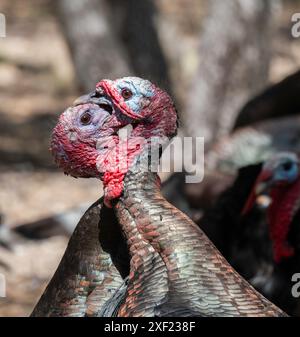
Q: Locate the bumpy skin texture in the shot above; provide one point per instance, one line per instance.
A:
(280, 215)
(86, 277)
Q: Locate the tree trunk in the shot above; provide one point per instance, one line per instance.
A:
(234, 64)
(95, 49)
(138, 31)
(111, 39)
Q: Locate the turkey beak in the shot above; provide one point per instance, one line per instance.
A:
(95, 97)
(260, 194)
(263, 200)
(82, 100)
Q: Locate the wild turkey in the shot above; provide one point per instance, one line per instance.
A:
(279, 179)
(86, 276)
(174, 269)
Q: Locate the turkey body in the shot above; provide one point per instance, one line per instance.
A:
(86, 276)
(276, 101)
(254, 144)
(174, 269)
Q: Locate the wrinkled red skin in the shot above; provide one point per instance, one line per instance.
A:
(74, 154)
(78, 154)
(81, 158)
(114, 164)
(279, 215)
(151, 122)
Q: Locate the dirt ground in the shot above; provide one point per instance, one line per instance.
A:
(37, 81)
(36, 84)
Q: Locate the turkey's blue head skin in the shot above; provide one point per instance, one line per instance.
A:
(281, 169)
(150, 109)
(132, 93)
(280, 181)
(96, 119)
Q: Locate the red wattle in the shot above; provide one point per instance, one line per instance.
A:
(280, 216)
(115, 166)
(113, 186)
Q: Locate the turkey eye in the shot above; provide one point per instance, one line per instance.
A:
(85, 119)
(126, 93)
(287, 166)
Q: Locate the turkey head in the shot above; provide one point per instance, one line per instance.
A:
(277, 188)
(87, 140)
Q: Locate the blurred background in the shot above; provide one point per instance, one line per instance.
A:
(212, 56)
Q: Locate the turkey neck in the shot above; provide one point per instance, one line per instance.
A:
(140, 204)
(143, 213)
(174, 269)
(150, 224)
